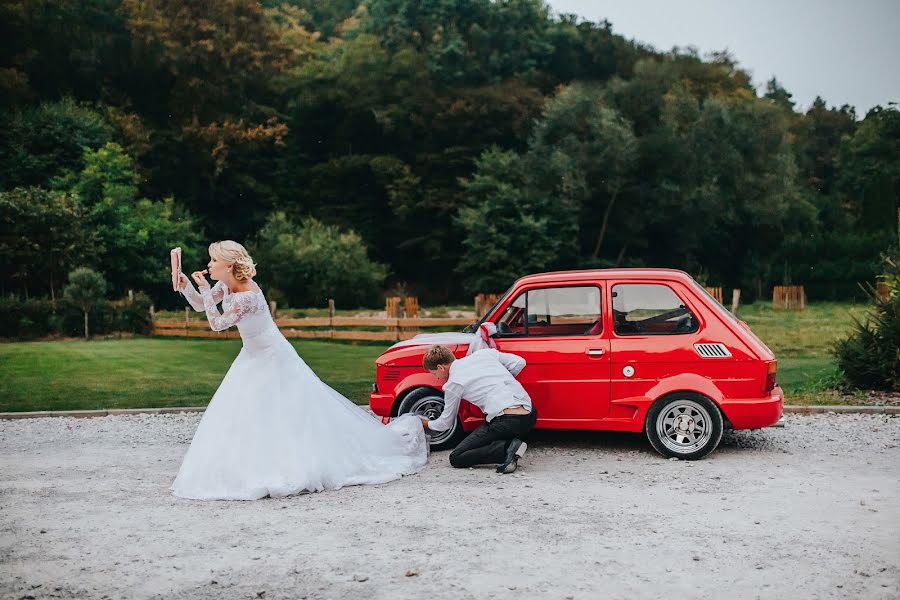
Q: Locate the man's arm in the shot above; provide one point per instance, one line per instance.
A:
(513, 363)
(452, 396)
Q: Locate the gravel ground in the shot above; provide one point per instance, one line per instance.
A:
(809, 511)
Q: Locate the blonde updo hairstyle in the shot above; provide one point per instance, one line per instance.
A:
(243, 267)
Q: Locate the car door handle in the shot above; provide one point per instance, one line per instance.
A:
(595, 352)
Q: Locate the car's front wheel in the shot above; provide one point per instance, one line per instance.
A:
(429, 403)
(684, 425)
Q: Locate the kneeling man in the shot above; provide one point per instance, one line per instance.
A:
(485, 378)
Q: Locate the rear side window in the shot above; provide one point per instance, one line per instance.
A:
(553, 311)
(650, 309)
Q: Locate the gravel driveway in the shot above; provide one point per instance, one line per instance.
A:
(809, 511)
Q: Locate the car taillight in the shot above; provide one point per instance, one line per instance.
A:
(770, 376)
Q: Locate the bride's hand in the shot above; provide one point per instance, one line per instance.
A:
(182, 280)
(199, 278)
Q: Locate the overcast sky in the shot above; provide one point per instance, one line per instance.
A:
(846, 52)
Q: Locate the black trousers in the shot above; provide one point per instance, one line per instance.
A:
(488, 443)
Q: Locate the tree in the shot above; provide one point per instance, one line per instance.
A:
(869, 162)
(466, 41)
(507, 231)
(55, 48)
(309, 262)
(207, 76)
(597, 151)
(42, 235)
(132, 235)
(779, 96)
(86, 289)
(45, 141)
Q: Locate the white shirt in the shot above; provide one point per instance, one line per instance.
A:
(485, 378)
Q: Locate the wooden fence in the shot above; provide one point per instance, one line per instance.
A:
(788, 297)
(335, 328)
(715, 292)
(398, 307)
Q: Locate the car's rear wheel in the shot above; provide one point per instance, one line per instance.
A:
(429, 403)
(684, 425)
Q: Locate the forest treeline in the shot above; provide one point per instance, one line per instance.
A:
(440, 146)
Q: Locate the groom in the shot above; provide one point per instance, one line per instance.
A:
(485, 378)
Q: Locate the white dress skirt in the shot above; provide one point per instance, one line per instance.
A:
(273, 428)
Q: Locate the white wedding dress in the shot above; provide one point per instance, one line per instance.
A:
(273, 428)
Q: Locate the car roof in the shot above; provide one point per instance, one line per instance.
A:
(591, 274)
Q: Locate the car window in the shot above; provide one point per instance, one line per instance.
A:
(717, 306)
(553, 311)
(650, 309)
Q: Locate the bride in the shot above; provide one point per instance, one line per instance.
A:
(273, 428)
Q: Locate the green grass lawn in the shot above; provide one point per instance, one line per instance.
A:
(157, 372)
(154, 372)
(802, 342)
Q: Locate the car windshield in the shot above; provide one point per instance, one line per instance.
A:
(474, 326)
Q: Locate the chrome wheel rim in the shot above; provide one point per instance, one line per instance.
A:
(684, 426)
(431, 408)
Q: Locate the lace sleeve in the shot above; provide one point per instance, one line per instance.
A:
(241, 304)
(196, 300)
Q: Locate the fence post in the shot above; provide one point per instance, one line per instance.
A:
(411, 307)
(392, 307)
(735, 300)
(410, 311)
(331, 317)
(152, 319)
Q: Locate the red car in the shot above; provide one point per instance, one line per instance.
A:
(641, 350)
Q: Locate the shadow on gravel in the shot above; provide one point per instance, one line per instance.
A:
(617, 441)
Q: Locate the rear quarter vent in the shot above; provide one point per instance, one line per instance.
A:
(713, 350)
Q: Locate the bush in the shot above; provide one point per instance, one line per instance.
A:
(309, 262)
(870, 357)
(25, 319)
(39, 317)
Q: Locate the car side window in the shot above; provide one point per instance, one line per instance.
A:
(650, 309)
(558, 311)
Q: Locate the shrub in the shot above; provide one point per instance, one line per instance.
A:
(40, 317)
(870, 357)
(309, 262)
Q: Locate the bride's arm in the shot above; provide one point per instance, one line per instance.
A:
(195, 299)
(240, 305)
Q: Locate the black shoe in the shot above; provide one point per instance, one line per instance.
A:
(515, 451)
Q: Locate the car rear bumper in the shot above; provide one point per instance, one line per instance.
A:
(381, 404)
(753, 413)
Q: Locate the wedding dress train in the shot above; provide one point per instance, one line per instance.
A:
(273, 428)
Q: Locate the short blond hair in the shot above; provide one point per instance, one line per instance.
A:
(437, 355)
(236, 255)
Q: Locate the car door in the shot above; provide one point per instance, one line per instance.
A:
(654, 327)
(558, 330)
